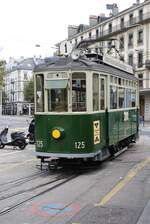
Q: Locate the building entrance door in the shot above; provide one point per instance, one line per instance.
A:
(142, 105)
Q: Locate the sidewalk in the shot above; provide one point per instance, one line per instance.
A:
(145, 217)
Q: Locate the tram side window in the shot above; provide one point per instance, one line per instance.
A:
(39, 93)
(121, 96)
(128, 98)
(133, 98)
(102, 94)
(95, 92)
(78, 91)
(113, 97)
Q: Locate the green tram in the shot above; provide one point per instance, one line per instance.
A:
(86, 107)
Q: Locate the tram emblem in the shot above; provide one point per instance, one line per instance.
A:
(96, 129)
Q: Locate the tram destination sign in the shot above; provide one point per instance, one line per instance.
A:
(118, 64)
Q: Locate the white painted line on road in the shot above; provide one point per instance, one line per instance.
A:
(18, 129)
(9, 153)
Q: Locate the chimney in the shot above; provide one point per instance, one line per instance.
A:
(72, 30)
(114, 9)
(93, 20)
(102, 17)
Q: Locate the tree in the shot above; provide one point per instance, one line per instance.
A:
(2, 71)
(29, 91)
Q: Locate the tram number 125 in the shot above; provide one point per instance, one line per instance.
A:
(79, 145)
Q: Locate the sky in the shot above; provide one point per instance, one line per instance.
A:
(26, 23)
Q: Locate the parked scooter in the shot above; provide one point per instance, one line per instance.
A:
(18, 139)
(31, 132)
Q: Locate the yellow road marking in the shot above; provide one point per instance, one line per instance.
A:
(132, 173)
(18, 164)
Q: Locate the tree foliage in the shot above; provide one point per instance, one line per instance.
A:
(2, 71)
(29, 91)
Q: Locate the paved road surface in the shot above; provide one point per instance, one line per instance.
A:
(115, 192)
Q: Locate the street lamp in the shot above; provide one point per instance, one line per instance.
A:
(53, 47)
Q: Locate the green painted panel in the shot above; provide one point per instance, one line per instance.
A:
(119, 127)
(78, 132)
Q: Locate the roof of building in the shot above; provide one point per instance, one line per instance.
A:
(25, 64)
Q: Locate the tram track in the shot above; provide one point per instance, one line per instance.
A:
(32, 188)
(20, 196)
(21, 180)
(48, 186)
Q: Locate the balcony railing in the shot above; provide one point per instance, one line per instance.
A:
(127, 25)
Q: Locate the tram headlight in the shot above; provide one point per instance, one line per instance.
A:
(57, 133)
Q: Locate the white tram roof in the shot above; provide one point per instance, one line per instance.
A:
(85, 64)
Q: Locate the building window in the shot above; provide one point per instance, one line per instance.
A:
(121, 44)
(130, 42)
(130, 59)
(140, 59)
(25, 76)
(122, 23)
(140, 36)
(90, 35)
(140, 76)
(65, 48)
(131, 21)
(96, 50)
(110, 27)
(97, 33)
(109, 44)
(122, 58)
(140, 14)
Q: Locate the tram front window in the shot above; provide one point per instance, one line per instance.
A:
(57, 100)
(39, 93)
(78, 92)
(57, 95)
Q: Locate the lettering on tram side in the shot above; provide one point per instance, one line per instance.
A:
(79, 145)
(39, 144)
(96, 130)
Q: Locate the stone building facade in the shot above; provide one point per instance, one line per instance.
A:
(129, 32)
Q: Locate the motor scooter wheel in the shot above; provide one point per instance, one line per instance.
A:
(21, 144)
(1, 145)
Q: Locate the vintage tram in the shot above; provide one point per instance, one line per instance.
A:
(86, 107)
